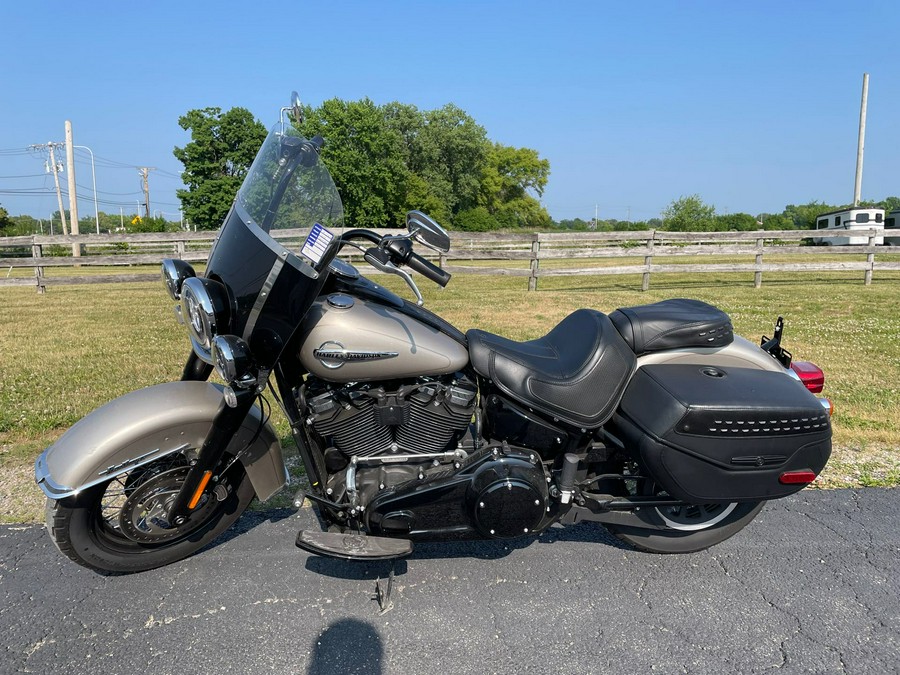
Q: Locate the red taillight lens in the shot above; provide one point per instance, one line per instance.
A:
(796, 477)
(812, 377)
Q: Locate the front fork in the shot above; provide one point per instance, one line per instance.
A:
(226, 423)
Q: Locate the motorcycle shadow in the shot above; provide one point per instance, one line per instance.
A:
(248, 521)
(493, 549)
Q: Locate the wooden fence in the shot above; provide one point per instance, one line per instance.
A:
(534, 255)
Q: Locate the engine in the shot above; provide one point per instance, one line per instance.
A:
(386, 446)
(421, 417)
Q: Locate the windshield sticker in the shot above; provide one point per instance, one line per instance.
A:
(317, 243)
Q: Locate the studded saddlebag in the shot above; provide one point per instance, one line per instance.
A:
(714, 434)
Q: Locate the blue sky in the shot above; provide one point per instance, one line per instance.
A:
(751, 105)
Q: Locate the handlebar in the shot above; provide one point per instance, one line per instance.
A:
(428, 269)
(399, 251)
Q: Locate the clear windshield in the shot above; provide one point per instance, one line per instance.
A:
(289, 187)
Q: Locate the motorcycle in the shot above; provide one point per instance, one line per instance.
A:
(656, 420)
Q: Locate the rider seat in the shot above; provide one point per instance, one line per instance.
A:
(673, 324)
(576, 373)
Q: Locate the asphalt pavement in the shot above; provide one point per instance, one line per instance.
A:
(812, 585)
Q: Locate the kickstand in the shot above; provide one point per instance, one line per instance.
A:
(383, 595)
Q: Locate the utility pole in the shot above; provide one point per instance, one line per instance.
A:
(861, 145)
(73, 197)
(55, 169)
(145, 180)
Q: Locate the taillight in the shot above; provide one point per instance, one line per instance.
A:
(797, 477)
(812, 377)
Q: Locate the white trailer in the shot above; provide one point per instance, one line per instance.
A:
(842, 224)
(892, 222)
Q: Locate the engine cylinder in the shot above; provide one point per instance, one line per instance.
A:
(421, 417)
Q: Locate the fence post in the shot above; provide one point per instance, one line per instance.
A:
(179, 249)
(648, 260)
(757, 277)
(535, 262)
(37, 251)
(870, 258)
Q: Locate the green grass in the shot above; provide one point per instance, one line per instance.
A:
(71, 350)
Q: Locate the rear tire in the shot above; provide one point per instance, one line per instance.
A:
(722, 521)
(87, 529)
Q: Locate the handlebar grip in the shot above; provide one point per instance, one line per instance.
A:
(428, 269)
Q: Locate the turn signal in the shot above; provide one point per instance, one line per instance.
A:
(797, 477)
(199, 492)
(812, 377)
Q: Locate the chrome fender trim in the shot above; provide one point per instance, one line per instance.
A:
(145, 425)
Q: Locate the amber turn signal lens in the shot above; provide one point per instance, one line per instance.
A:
(200, 488)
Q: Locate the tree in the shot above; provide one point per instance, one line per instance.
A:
(689, 214)
(508, 176)
(449, 154)
(387, 160)
(365, 155)
(890, 204)
(5, 222)
(216, 160)
(772, 221)
(739, 222)
(804, 216)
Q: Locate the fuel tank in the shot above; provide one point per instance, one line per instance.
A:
(349, 339)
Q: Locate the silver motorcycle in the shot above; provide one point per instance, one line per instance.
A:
(656, 421)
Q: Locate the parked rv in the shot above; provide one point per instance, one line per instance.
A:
(892, 222)
(842, 223)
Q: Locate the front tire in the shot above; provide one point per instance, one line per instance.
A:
(94, 529)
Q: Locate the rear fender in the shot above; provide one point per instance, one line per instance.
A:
(739, 354)
(146, 425)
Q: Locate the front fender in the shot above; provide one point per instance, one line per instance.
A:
(145, 425)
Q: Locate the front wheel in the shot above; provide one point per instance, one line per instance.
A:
(686, 529)
(121, 527)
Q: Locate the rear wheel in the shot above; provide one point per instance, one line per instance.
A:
(121, 526)
(686, 529)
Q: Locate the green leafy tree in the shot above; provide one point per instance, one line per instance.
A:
(740, 222)
(509, 177)
(216, 160)
(5, 222)
(689, 214)
(890, 204)
(772, 221)
(449, 153)
(365, 156)
(803, 216)
(475, 220)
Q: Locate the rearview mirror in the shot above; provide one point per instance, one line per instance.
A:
(424, 228)
(296, 109)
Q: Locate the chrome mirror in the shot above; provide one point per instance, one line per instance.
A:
(296, 109)
(425, 229)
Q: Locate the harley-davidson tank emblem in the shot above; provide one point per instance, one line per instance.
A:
(334, 355)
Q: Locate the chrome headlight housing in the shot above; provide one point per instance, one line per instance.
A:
(204, 306)
(233, 361)
(174, 274)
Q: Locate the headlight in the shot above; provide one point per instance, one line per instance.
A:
(204, 306)
(233, 361)
(174, 274)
